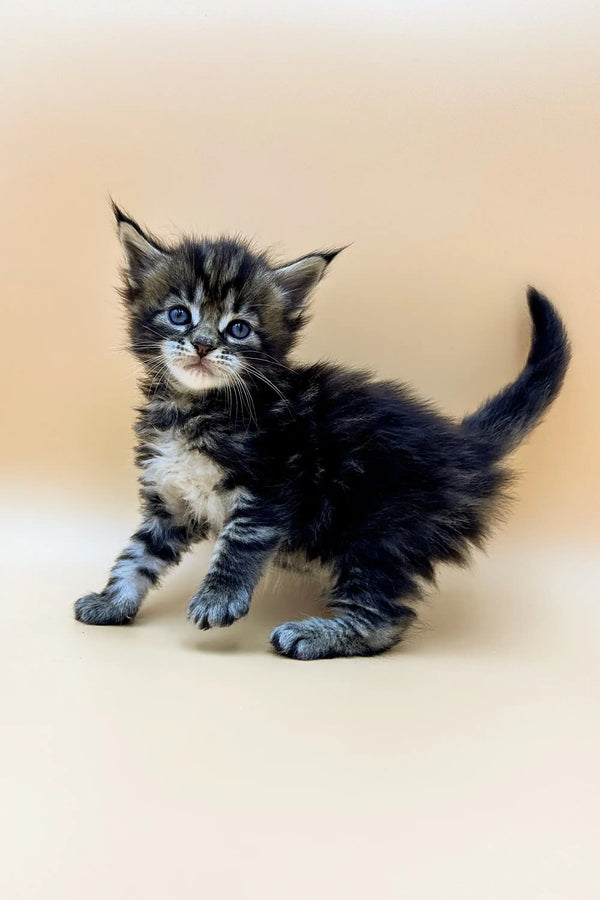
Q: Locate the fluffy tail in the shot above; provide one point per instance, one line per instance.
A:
(507, 418)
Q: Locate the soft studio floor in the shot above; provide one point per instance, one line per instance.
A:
(153, 761)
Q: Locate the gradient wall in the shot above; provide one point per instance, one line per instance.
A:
(456, 152)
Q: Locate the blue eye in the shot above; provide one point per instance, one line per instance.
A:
(179, 315)
(239, 329)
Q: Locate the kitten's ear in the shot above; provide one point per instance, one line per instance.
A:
(142, 252)
(298, 279)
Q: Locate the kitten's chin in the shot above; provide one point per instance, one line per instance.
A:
(197, 378)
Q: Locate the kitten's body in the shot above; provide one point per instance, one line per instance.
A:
(310, 467)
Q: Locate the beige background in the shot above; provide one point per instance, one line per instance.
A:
(456, 148)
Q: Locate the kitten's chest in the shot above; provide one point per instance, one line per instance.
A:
(187, 480)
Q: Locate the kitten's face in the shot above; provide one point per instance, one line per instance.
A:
(205, 314)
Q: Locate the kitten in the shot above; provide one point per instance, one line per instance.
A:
(312, 467)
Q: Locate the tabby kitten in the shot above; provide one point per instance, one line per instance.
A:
(312, 467)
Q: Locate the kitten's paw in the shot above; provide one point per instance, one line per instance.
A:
(342, 636)
(210, 608)
(310, 639)
(97, 609)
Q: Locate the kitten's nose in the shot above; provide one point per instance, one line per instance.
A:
(201, 348)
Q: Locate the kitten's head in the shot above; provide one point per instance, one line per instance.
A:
(207, 313)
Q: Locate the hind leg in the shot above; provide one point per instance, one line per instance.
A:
(366, 621)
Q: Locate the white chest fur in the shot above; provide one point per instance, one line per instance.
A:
(186, 480)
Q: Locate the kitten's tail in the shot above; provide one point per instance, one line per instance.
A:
(504, 420)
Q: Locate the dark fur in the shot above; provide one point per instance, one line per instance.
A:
(323, 464)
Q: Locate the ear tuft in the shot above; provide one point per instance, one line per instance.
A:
(298, 279)
(330, 255)
(142, 251)
(117, 212)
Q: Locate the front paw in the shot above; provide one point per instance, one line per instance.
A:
(215, 608)
(97, 609)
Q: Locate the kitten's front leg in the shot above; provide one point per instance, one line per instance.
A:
(158, 544)
(242, 551)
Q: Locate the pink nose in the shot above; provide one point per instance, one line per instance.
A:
(202, 349)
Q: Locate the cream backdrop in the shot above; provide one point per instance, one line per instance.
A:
(455, 147)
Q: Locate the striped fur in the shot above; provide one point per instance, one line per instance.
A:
(310, 467)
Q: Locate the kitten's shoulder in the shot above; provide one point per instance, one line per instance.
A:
(349, 399)
(330, 380)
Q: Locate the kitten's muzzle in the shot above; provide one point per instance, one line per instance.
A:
(201, 348)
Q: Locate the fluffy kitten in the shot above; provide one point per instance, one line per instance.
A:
(308, 466)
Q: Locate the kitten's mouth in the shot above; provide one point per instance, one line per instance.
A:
(200, 367)
(197, 374)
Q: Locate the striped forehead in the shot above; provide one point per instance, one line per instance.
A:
(216, 275)
(208, 312)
